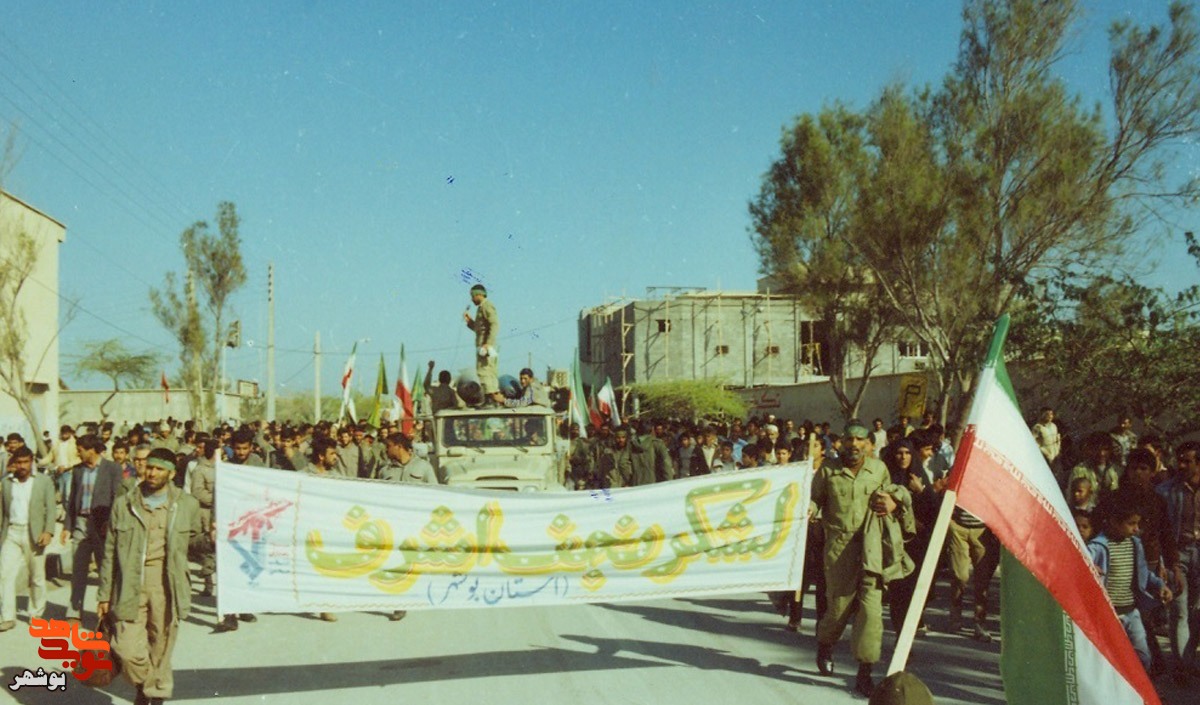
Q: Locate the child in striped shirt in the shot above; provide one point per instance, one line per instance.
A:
(1118, 553)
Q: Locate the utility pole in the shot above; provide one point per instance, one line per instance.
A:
(270, 342)
(196, 381)
(317, 378)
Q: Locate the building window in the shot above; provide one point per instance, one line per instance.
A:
(772, 350)
(664, 325)
(912, 348)
(722, 349)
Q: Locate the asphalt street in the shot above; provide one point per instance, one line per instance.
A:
(731, 649)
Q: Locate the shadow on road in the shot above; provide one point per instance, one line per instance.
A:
(699, 657)
(707, 622)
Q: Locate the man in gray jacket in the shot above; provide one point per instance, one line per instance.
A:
(94, 487)
(403, 464)
(144, 575)
(26, 527)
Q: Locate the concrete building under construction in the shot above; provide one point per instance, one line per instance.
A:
(747, 339)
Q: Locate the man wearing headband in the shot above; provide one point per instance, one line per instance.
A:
(144, 575)
(865, 517)
(486, 325)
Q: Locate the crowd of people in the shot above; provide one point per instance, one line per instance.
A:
(122, 496)
(1134, 499)
(135, 507)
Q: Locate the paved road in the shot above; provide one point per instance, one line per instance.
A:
(707, 650)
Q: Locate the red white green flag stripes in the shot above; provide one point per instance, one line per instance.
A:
(1062, 642)
(577, 411)
(404, 396)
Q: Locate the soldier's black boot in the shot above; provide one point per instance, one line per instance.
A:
(864, 683)
(228, 624)
(825, 659)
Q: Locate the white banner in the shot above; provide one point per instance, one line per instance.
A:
(295, 542)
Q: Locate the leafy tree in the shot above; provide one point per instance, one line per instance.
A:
(803, 222)
(298, 408)
(982, 189)
(688, 399)
(1037, 185)
(112, 359)
(214, 263)
(1116, 346)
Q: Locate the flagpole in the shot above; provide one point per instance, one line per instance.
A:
(908, 632)
(941, 527)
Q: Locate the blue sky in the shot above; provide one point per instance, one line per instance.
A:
(562, 152)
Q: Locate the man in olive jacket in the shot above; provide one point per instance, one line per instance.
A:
(865, 517)
(144, 575)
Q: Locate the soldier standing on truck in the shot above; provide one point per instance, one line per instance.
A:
(486, 325)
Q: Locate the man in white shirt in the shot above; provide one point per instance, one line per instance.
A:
(1045, 432)
(878, 437)
(27, 513)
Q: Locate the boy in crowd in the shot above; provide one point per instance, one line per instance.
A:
(1128, 580)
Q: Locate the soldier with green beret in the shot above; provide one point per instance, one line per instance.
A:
(865, 517)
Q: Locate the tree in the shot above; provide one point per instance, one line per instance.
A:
(181, 316)
(688, 399)
(1036, 186)
(1116, 347)
(112, 359)
(1000, 179)
(802, 223)
(214, 263)
(18, 258)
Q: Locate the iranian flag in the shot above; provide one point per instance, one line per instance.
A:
(1062, 642)
(606, 401)
(404, 396)
(418, 392)
(347, 377)
(593, 410)
(380, 390)
(576, 404)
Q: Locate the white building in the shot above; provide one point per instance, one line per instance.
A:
(38, 302)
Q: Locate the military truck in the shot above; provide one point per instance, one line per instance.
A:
(498, 449)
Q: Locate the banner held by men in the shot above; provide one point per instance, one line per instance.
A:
(294, 542)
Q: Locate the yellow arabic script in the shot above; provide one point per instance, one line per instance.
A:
(444, 546)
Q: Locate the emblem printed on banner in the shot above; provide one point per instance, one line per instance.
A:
(248, 536)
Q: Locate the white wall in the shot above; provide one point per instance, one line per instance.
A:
(39, 302)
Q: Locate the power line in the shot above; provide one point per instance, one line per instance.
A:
(85, 162)
(106, 140)
(510, 336)
(77, 306)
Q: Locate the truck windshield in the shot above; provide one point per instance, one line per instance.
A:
(495, 431)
